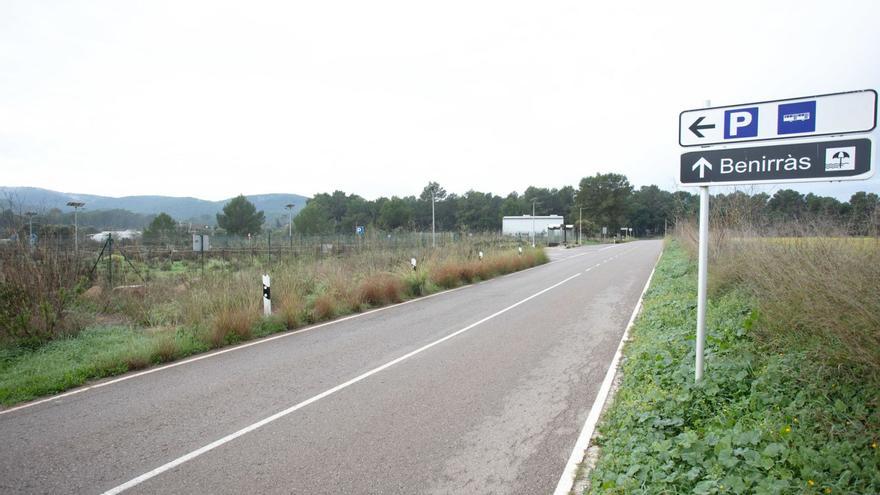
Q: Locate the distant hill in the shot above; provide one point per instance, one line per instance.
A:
(196, 210)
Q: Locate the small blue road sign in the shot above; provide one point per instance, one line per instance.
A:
(359, 230)
(796, 117)
(741, 123)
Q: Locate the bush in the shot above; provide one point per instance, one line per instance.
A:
(37, 289)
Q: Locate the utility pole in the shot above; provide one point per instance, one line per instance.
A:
(433, 232)
(76, 205)
(289, 207)
(580, 222)
(533, 222)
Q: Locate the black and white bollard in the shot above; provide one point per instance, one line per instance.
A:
(520, 250)
(267, 296)
(481, 256)
(412, 261)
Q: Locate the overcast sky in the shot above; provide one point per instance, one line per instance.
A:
(211, 99)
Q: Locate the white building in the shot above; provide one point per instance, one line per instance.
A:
(523, 225)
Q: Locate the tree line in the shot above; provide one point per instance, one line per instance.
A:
(601, 200)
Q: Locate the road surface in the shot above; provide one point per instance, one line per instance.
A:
(478, 390)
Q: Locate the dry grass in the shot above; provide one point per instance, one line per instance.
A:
(166, 347)
(445, 276)
(324, 307)
(814, 287)
(222, 304)
(380, 289)
(233, 324)
(137, 360)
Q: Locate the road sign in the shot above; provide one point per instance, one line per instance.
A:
(848, 159)
(359, 230)
(823, 115)
(201, 243)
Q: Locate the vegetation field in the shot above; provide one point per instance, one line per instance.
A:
(789, 402)
(60, 330)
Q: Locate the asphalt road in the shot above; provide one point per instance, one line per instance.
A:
(478, 390)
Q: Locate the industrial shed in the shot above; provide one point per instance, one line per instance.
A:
(523, 225)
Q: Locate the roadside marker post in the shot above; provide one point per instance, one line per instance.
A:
(824, 138)
(267, 296)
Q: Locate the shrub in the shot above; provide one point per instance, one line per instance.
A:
(37, 289)
(416, 284)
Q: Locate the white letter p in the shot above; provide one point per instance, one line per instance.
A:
(739, 120)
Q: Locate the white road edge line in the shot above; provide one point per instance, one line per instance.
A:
(566, 481)
(232, 436)
(285, 334)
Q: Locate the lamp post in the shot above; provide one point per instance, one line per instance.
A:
(76, 205)
(290, 207)
(433, 232)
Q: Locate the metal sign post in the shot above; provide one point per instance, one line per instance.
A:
(810, 145)
(702, 278)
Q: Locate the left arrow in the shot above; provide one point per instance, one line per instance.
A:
(696, 127)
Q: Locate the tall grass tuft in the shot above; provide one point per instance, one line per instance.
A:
(324, 307)
(233, 324)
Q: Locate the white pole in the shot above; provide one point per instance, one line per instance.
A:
(580, 222)
(75, 232)
(267, 296)
(702, 278)
(433, 232)
(533, 223)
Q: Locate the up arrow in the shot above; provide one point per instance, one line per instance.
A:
(703, 164)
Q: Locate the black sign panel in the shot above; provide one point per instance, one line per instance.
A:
(848, 159)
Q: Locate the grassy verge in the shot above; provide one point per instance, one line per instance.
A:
(771, 415)
(172, 318)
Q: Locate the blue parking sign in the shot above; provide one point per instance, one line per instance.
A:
(741, 123)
